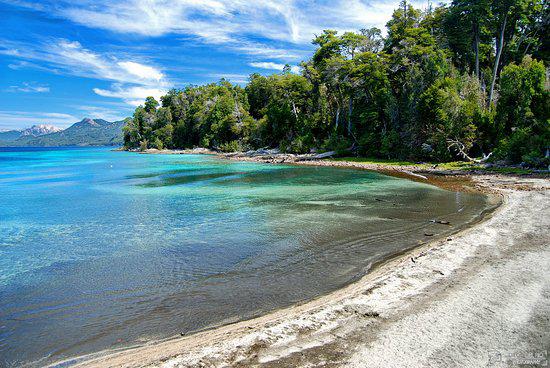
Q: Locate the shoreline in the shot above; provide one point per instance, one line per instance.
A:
(281, 335)
(452, 179)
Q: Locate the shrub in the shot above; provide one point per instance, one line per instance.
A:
(157, 143)
(232, 146)
(337, 143)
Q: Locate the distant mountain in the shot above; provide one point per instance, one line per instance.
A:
(41, 129)
(88, 132)
(34, 131)
(10, 135)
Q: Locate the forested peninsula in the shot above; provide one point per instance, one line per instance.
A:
(466, 81)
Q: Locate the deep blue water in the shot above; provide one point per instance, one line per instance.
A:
(103, 249)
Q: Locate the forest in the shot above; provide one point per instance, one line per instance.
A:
(465, 81)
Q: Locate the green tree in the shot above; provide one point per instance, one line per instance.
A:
(523, 111)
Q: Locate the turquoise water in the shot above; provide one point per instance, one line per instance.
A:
(102, 249)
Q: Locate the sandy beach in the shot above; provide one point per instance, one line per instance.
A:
(478, 298)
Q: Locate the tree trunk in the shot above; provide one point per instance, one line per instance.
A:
(476, 48)
(350, 110)
(337, 116)
(497, 59)
(238, 113)
(294, 111)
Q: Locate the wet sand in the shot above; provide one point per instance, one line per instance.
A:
(481, 295)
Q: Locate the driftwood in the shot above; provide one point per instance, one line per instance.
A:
(325, 154)
(315, 157)
(416, 175)
(461, 148)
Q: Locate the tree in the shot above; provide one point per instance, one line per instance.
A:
(150, 105)
(506, 14)
(473, 15)
(451, 110)
(419, 93)
(523, 111)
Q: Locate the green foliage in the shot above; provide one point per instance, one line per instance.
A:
(143, 145)
(451, 110)
(337, 143)
(233, 146)
(157, 143)
(523, 112)
(418, 94)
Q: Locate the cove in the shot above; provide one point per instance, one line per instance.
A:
(104, 250)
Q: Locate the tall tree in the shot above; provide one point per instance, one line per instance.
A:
(506, 14)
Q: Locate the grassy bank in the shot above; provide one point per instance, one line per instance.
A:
(444, 166)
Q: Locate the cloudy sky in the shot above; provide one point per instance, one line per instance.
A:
(63, 60)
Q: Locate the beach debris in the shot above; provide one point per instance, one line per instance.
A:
(442, 222)
(306, 157)
(439, 272)
(428, 234)
(412, 259)
(415, 175)
(371, 314)
(361, 313)
(449, 239)
(371, 289)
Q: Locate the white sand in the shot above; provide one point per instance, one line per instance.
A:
(455, 303)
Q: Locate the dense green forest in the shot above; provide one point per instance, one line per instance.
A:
(461, 81)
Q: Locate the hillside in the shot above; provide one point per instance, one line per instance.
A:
(88, 132)
(34, 131)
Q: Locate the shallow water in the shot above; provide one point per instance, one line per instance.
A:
(102, 249)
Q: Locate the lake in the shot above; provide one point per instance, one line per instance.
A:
(104, 250)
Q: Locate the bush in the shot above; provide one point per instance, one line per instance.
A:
(535, 160)
(523, 146)
(337, 143)
(301, 144)
(143, 145)
(232, 146)
(157, 143)
(205, 142)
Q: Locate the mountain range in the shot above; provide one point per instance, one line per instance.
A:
(87, 132)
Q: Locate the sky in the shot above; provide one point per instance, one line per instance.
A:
(63, 60)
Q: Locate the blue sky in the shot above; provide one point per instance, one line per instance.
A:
(63, 60)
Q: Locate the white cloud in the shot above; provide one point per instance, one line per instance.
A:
(105, 113)
(27, 87)
(141, 71)
(131, 80)
(273, 66)
(228, 21)
(133, 95)
(261, 50)
(20, 119)
(275, 29)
